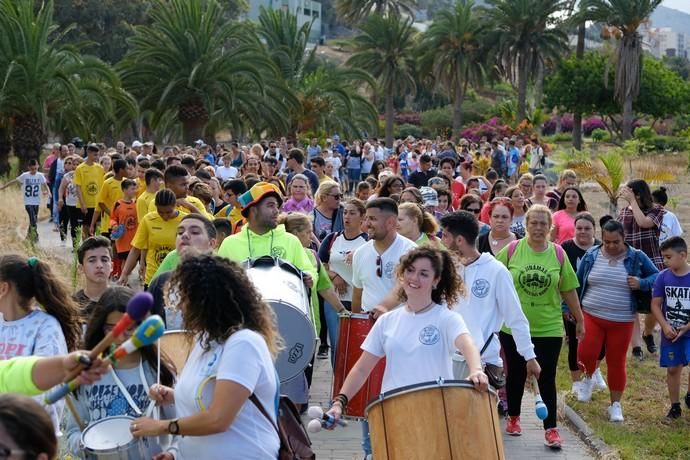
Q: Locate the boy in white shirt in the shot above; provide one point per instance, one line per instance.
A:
(32, 181)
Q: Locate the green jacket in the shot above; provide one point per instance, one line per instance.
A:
(16, 376)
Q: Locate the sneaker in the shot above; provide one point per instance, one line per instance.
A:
(615, 412)
(675, 411)
(637, 353)
(575, 389)
(513, 426)
(586, 389)
(687, 400)
(323, 352)
(552, 439)
(649, 342)
(502, 408)
(599, 382)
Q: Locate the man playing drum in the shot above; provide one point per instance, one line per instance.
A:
(491, 300)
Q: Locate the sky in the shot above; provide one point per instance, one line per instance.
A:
(682, 5)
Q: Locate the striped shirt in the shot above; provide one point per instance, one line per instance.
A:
(608, 295)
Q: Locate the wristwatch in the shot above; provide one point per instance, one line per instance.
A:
(174, 427)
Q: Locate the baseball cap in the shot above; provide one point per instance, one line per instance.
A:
(136, 144)
(429, 195)
(256, 194)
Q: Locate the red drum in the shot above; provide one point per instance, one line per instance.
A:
(353, 330)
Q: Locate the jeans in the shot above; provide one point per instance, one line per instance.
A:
(332, 321)
(366, 439)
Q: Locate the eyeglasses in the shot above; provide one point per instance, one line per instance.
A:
(337, 197)
(474, 210)
(379, 267)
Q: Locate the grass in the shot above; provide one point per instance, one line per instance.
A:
(645, 433)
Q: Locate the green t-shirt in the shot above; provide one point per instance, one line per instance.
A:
(539, 279)
(170, 263)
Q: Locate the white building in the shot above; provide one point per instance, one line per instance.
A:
(664, 41)
(305, 10)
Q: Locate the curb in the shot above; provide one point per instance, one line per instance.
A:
(600, 448)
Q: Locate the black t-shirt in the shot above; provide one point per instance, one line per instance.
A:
(484, 245)
(575, 252)
(420, 178)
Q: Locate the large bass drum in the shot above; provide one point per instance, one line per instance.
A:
(281, 286)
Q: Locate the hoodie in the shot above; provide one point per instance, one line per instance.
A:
(490, 302)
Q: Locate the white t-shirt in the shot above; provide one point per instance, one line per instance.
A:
(226, 173)
(364, 267)
(31, 187)
(670, 226)
(243, 359)
(417, 347)
(340, 248)
(335, 161)
(36, 334)
(71, 198)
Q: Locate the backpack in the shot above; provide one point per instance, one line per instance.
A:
(294, 440)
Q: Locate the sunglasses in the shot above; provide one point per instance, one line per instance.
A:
(379, 267)
(474, 210)
(337, 197)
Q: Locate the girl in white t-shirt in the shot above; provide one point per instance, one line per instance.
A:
(27, 329)
(235, 344)
(418, 338)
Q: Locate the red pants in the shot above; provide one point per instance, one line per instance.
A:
(616, 337)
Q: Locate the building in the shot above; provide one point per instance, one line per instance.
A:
(664, 41)
(305, 10)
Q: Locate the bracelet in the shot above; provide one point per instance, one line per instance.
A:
(342, 400)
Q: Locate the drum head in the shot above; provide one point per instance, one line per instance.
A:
(299, 337)
(108, 433)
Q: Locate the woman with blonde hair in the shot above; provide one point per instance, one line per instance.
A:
(235, 342)
(417, 225)
(328, 213)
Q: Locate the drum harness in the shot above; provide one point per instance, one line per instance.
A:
(124, 391)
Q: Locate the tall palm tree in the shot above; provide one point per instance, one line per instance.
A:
(42, 78)
(354, 11)
(452, 52)
(624, 18)
(193, 61)
(385, 48)
(524, 34)
(328, 97)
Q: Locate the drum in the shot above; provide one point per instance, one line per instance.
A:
(352, 331)
(440, 420)
(460, 368)
(110, 439)
(281, 286)
(177, 345)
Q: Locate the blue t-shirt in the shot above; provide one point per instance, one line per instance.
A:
(675, 292)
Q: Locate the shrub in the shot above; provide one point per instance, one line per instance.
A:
(591, 124)
(549, 127)
(600, 135)
(492, 129)
(437, 121)
(669, 143)
(409, 130)
(474, 111)
(566, 124)
(408, 118)
(644, 134)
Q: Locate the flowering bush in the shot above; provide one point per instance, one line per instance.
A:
(591, 124)
(549, 127)
(491, 129)
(408, 118)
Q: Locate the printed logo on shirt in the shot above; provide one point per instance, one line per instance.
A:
(161, 252)
(92, 189)
(278, 251)
(677, 305)
(429, 335)
(480, 288)
(534, 280)
(131, 222)
(389, 269)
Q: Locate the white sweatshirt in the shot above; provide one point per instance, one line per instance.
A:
(491, 300)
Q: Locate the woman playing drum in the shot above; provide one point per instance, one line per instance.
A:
(418, 338)
(232, 358)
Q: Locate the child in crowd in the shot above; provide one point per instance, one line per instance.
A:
(96, 263)
(154, 182)
(671, 308)
(363, 191)
(123, 224)
(32, 181)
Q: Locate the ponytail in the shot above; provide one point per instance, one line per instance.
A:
(33, 278)
(429, 225)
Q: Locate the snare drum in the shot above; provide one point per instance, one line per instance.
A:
(110, 439)
(281, 286)
(352, 331)
(441, 420)
(177, 345)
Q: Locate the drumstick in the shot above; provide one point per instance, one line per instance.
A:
(73, 410)
(539, 407)
(137, 307)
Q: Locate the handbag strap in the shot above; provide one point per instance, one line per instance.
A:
(261, 408)
(486, 344)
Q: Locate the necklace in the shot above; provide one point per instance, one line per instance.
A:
(495, 241)
(419, 312)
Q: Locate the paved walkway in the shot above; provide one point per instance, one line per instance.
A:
(344, 443)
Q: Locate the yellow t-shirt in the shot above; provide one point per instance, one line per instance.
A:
(141, 186)
(194, 201)
(232, 213)
(111, 191)
(157, 237)
(143, 202)
(90, 180)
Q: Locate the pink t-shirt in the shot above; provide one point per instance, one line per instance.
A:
(305, 206)
(565, 225)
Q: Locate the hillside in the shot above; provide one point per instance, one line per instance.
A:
(668, 17)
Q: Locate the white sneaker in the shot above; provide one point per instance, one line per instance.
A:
(586, 389)
(616, 412)
(576, 387)
(599, 382)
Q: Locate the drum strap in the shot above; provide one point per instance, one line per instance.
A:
(249, 243)
(124, 391)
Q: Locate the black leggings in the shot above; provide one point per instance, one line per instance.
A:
(547, 350)
(572, 346)
(75, 217)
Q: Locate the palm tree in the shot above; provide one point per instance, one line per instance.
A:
(623, 18)
(354, 11)
(328, 96)
(524, 34)
(42, 79)
(452, 52)
(192, 61)
(385, 49)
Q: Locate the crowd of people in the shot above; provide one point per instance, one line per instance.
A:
(465, 246)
